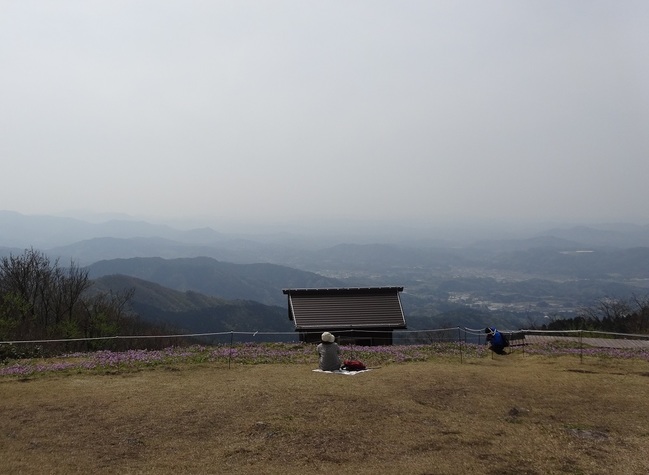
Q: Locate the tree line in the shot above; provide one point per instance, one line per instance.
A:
(41, 300)
(609, 315)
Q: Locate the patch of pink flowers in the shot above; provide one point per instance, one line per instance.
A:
(282, 353)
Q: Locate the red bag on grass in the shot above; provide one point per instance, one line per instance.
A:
(353, 365)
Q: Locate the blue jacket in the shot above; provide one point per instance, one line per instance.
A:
(497, 339)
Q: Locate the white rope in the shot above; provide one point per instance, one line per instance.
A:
(195, 335)
(135, 337)
(470, 331)
(626, 335)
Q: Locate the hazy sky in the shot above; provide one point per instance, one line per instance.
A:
(277, 110)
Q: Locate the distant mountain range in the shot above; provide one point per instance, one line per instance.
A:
(614, 250)
(45, 232)
(192, 312)
(621, 236)
(259, 282)
(89, 242)
(442, 278)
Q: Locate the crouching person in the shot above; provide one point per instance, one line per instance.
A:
(329, 353)
(496, 340)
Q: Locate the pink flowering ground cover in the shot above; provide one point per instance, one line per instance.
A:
(285, 353)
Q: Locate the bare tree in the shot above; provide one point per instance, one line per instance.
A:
(24, 288)
(38, 298)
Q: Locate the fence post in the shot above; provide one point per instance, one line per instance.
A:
(581, 346)
(230, 352)
(459, 340)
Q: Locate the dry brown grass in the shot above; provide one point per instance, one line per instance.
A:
(513, 415)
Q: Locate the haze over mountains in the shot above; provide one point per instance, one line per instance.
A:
(259, 282)
(193, 312)
(456, 281)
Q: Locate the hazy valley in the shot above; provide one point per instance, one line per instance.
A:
(205, 280)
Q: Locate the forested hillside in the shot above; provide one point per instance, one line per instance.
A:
(259, 282)
(193, 312)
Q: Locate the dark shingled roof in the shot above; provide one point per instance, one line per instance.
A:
(346, 308)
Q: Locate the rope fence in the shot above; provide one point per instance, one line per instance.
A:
(400, 336)
(462, 335)
(19, 358)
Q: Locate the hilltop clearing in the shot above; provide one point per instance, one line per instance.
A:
(515, 415)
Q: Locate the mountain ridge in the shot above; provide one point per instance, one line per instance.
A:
(193, 312)
(259, 282)
(47, 231)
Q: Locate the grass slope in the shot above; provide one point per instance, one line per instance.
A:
(514, 415)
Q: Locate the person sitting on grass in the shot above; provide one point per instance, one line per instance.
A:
(329, 353)
(497, 341)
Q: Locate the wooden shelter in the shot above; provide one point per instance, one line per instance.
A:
(355, 315)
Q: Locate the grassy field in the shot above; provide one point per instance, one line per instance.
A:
(520, 414)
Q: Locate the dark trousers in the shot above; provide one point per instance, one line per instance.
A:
(498, 349)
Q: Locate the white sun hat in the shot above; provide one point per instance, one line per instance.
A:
(328, 337)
